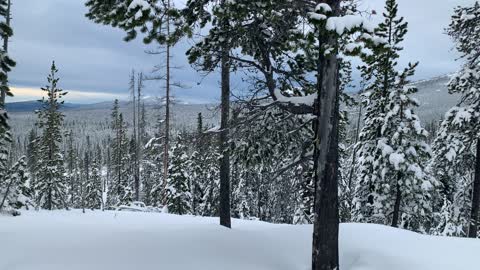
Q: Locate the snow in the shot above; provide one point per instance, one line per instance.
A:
(305, 100)
(317, 16)
(109, 240)
(139, 3)
(396, 159)
(348, 23)
(323, 7)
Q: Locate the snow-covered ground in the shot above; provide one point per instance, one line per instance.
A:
(61, 240)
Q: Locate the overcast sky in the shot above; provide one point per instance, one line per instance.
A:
(95, 62)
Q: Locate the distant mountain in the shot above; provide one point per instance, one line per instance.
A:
(30, 106)
(434, 98)
(432, 95)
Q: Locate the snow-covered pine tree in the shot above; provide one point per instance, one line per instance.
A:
(50, 175)
(32, 154)
(121, 191)
(6, 63)
(209, 54)
(457, 147)
(392, 186)
(93, 186)
(198, 166)
(16, 192)
(159, 22)
(178, 196)
(72, 170)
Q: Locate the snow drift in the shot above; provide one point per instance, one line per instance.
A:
(136, 240)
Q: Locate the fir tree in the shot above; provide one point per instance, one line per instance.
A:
(392, 144)
(178, 196)
(6, 63)
(121, 192)
(93, 187)
(50, 179)
(457, 147)
(16, 193)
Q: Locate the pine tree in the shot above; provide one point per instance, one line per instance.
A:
(6, 63)
(93, 187)
(457, 147)
(72, 170)
(178, 196)
(50, 179)
(121, 191)
(205, 172)
(211, 53)
(16, 193)
(32, 155)
(392, 144)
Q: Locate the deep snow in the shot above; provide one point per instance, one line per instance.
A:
(134, 240)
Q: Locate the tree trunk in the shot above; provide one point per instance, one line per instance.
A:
(224, 134)
(167, 116)
(326, 217)
(473, 230)
(139, 145)
(398, 200)
(9, 186)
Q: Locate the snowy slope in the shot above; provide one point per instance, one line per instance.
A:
(126, 240)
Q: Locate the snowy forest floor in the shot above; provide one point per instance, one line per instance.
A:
(109, 240)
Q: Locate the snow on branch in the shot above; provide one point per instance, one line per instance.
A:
(308, 100)
(139, 3)
(347, 23)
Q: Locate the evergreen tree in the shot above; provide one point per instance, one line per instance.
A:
(393, 187)
(457, 147)
(72, 170)
(16, 192)
(178, 196)
(6, 63)
(50, 175)
(32, 150)
(121, 191)
(93, 187)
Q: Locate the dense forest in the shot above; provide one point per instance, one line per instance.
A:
(288, 151)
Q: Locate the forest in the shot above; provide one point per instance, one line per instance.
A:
(298, 147)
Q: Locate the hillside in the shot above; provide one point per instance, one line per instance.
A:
(59, 240)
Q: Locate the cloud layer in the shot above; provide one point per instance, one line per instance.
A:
(94, 60)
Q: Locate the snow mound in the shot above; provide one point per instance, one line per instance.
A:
(114, 240)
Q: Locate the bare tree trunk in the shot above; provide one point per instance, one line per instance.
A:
(135, 140)
(139, 144)
(224, 134)
(167, 115)
(473, 230)
(326, 217)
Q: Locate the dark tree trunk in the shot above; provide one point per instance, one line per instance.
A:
(473, 230)
(49, 198)
(398, 200)
(224, 134)
(326, 217)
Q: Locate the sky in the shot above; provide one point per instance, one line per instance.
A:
(95, 63)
